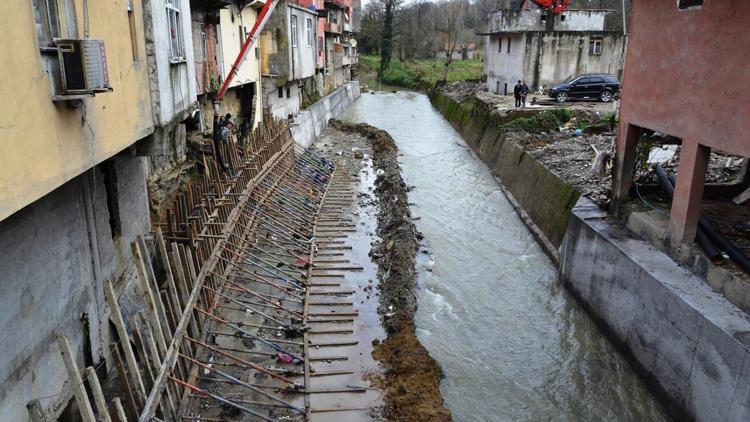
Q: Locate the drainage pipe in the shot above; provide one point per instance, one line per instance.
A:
(735, 254)
(700, 236)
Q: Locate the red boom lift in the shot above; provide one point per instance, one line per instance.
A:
(554, 6)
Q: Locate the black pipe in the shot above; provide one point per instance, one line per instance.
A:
(719, 240)
(710, 249)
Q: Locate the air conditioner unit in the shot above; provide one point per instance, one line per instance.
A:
(83, 66)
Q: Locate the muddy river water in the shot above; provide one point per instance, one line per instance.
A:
(513, 344)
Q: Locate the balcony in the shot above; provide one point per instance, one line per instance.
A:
(338, 3)
(331, 27)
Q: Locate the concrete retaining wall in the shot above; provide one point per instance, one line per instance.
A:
(546, 198)
(310, 123)
(688, 341)
(57, 252)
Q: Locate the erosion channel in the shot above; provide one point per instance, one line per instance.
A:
(512, 343)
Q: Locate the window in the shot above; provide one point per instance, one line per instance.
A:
(309, 31)
(595, 46)
(294, 30)
(500, 45)
(689, 4)
(47, 21)
(133, 33)
(280, 91)
(508, 50)
(175, 30)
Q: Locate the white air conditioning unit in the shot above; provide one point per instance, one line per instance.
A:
(83, 66)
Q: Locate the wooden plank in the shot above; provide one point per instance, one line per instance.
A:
(82, 399)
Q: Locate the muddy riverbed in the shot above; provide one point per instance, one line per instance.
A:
(512, 343)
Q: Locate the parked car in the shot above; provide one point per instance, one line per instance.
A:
(602, 86)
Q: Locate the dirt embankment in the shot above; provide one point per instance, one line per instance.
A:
(412, 377)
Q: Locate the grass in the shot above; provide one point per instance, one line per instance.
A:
(418, 73)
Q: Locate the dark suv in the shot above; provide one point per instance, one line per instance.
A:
(598, 85)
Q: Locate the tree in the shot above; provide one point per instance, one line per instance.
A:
(386, 49)
(452, 27)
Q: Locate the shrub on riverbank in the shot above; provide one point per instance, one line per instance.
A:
(419, 73)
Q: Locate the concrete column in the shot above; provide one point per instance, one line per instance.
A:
(688, 193)
(627, 141)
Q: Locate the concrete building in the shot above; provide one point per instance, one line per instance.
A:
(524, 43)
(72, 190)
(219, 28)
(289, 51)
(169, 54)
(340, 46)
(461, 51)
(696, 87)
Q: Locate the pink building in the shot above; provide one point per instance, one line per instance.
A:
(687, 74)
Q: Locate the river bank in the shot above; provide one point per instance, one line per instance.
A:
(656, 312)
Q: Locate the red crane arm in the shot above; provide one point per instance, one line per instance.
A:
(263, 16)
(556, 6)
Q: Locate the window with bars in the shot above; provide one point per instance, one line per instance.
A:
(176, 47)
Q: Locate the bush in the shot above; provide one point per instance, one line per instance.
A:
(545, 121)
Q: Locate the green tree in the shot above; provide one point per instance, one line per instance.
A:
(386, 49)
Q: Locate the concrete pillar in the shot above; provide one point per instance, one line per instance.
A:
(688, 193)
(627, 141)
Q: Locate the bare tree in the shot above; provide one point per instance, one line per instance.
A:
(452, 26)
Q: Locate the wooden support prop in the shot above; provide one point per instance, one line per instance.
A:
(328, 358)
(338, 409)
(119, 411)
(335, 344)
(334, 314)
(130, 397)
(331, 373)
(122, 332)
(96, 391)
(148, 298)
(82, 399)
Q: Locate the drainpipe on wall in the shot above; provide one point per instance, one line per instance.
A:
(85, 19)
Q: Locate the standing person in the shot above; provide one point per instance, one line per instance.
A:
(517, 93)
(524, 93)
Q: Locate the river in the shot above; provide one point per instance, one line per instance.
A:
(513, 344)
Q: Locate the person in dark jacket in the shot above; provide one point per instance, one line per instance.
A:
(524, 93)
(517, 93)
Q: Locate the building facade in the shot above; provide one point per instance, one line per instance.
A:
(525, 43)
(308, 50)
(698, 93)
(72, 188)
(289, 48)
